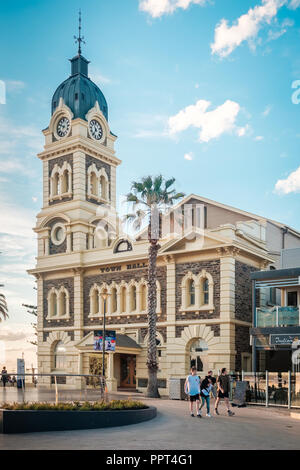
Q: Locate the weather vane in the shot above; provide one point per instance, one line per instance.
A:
(79, 39)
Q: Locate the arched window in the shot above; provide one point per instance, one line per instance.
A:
(60, 356)
(62, 303)
(52, 304)
(103, 187)
(191, 292)
(56, 184)
(93, 183)
(65, 182)
(143, 297)
(94, 301)
(133, 299)
(114, 301)
(123, 299)
(205, 292)
(198, 355)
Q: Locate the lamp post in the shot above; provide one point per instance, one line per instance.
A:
(104, 296)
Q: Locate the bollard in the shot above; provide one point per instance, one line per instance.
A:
(267, 388)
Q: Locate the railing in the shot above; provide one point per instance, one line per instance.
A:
(53, 392)
(271, 388)
(277, 316)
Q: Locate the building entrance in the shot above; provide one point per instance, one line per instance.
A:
(128, 371)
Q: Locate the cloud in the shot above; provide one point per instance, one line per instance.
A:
(246, 27)
(157, 8)
(188, 156)
(14, 85)
(259, 138)
(212, 124)
(267, 110)
(289, 185)
(98, 78)
(294, 4)
(28, 137)
(14, 340)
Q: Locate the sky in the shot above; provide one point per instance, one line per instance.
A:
(207, 91)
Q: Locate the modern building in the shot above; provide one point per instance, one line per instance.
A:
(276, 315)
(208, 252)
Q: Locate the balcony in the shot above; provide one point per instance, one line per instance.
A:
(277, 316)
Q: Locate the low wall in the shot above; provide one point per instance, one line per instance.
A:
(21, 421)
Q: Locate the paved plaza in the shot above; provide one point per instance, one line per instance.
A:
(172, 429)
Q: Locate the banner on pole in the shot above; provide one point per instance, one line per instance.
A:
(110, 340)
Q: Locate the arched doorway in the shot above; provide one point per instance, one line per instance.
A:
(198, 354)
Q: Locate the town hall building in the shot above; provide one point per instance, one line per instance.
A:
(204, 262)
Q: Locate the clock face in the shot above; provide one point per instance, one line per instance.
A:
(96, 130)
(63, 127)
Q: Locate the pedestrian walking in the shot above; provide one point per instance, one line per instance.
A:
(4, 376)
(223, 383)
(213, 380)
(192, 388)
(205, 389)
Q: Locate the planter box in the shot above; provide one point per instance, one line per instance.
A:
(19, 421)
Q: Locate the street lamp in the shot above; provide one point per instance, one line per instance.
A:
(104, 296)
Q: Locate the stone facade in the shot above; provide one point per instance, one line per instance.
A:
(242, 344)
(68, 283)
(98, 164)
(243, 291)
(60, 161)
(56, 249)
(211, 267)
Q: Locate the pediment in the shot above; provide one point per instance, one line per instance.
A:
(194, 240)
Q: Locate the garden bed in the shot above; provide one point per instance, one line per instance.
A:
(37, 417)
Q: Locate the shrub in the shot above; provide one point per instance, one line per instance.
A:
(76, 406)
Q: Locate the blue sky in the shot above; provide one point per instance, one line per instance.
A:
(199, 90)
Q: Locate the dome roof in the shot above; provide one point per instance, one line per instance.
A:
(79, 92)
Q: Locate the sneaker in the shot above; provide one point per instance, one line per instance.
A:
(192, 415)
(216, 411)
(208, 415)
(199, 415)
(230, 413)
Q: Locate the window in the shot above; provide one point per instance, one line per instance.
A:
(56, 184)
(59, 356)
(292, 298)
(65, 182)
(53, 304)
(191, 292)
(63, 304)
(133, 299)
(93, 183)
(95, 301)
(114, 302)
(205, 292)
(143, 297)
(123, 299)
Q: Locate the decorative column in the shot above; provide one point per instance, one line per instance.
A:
(111, 381)
(69, 239)
(78, 303)
(227, 346)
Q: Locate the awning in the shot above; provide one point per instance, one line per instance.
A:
(124, 344)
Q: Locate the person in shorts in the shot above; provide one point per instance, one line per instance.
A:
(223, 383)
(192, 389)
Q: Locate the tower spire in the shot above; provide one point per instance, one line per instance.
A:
(79, 39)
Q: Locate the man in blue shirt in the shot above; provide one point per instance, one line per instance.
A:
(192, 388)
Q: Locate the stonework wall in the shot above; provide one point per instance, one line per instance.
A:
(117, 277)
(213, 268)
(98, 164)
(242, 344)
(60, 161)
(68, 283)
(56, 249)
(243, 291)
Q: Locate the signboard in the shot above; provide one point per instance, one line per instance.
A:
(239, 398)
(110, 340)
(282, 339)
(20, 371)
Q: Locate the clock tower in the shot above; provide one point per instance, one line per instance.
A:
(79, 201)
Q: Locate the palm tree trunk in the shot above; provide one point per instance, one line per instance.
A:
(152, 389)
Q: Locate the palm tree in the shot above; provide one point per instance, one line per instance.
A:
(149, 198)
(3, 307)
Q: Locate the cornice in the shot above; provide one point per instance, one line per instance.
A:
(55, 150)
